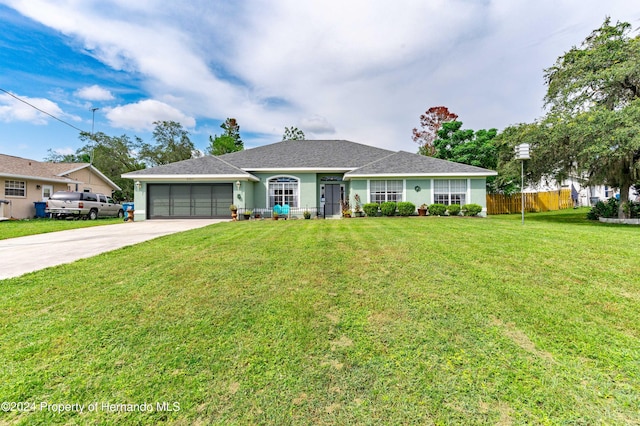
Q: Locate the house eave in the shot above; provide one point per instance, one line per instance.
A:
(416, 175)
(39, 178)
(189, 178)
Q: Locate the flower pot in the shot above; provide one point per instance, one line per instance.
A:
(422, 212)
(247, 216)
(234, 215)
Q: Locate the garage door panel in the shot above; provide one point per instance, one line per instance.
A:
(189, 200)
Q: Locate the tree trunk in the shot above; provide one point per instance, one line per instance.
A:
(624, 198)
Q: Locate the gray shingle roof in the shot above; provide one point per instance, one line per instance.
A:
(403, 162)
(317, 154)
(354, 158)
(207, 165)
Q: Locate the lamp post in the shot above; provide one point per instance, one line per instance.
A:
(522, 153)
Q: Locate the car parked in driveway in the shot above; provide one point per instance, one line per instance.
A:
(86, 205)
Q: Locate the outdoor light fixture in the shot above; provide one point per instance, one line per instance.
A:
(238, 185)
(138, 185)
(38, 187)
(522, 153)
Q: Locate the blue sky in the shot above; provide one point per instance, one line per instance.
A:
(361, 70)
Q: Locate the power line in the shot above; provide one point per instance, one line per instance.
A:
(42, 111)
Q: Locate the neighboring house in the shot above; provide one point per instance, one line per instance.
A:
(314, 175)
(583, 194)
(25, 181)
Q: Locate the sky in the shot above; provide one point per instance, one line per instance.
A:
(360, 70)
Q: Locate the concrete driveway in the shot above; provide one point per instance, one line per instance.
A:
(27, 254)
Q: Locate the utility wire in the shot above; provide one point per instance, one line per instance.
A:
(42, 111)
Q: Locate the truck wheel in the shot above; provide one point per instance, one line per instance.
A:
(120, 214)
(93, 214)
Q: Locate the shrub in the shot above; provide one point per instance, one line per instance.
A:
(388, 208)
(371, 209)
(453, 209)
(471, 209)
(437, 209)
(406, 208)
(602, 209)
(632, 209)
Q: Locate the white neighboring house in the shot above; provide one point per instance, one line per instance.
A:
(583, 195)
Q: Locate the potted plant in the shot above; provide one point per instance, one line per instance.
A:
(306, 214)
(256, 215)
(422, 210)
(234, 212)
(346, 209)
(357, 209)
(247, 214)
(275, 216)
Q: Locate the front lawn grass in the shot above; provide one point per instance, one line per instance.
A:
(358, 321)
(22, 228)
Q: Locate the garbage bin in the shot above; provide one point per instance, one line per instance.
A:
(40, 207)
(126, 207)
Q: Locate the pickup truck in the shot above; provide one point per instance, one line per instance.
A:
(86, 205)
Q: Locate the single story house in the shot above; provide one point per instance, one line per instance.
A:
(313, 175)
(26, 181)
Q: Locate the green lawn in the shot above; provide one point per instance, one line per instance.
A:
(360, 321)
(22, 228)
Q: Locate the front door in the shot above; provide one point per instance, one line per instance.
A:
(332, 200)
(47, 190)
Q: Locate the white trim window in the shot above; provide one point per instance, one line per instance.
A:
(283, 190)
(15, 188)
(450, 191)
(385, 190)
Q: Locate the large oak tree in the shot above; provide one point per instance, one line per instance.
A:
(592, 128)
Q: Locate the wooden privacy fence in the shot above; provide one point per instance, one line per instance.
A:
(533, 202)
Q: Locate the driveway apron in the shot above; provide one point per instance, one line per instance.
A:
(27, 254)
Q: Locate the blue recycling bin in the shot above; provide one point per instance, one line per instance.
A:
(126, 207)
(40, 207)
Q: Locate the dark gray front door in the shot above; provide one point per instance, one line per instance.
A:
(332, 200)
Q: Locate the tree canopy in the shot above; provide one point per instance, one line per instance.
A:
(292, 134)
(228, 141)
(172, 144)
(430, 122)
(476, 148)
(592, 128)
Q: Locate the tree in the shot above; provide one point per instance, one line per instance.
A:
(229, 141)
(468, 147)
(54, 157)
(591, 129)
(172, 144)
(430, 122)
(292, 134)
(221, 145)
(113, 157)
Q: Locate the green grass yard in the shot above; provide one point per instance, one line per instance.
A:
(360, 321)
(22, 228)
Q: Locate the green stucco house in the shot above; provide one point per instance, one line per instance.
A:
(313, 175)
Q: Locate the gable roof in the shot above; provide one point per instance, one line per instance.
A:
(404, 163)
(306, 154)
(207, 167)
(24, 168)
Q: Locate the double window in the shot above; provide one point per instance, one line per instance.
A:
(450, 191)
(15, 188)
(283, 190)
(385, 190)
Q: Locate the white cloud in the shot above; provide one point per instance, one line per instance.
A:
(141, 115)
(11, 109)
(316, 125)
(64, 151)
(94, 93)
(359, 70)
